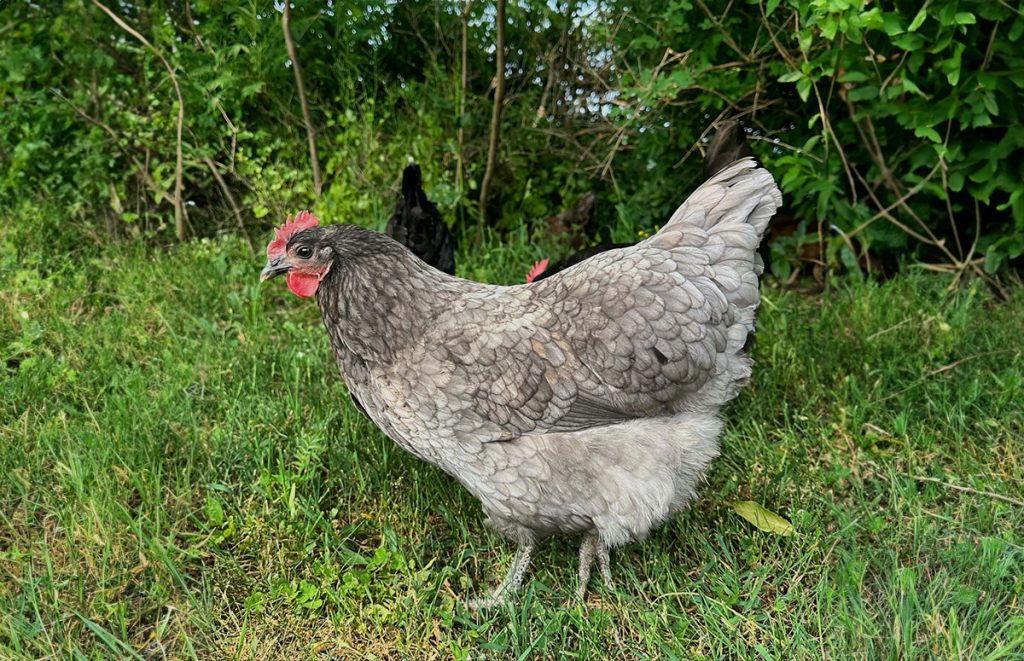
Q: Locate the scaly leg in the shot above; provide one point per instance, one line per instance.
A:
(602, 565)
(588, 549)
(499, 596)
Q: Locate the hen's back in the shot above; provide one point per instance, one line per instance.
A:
(644, 331)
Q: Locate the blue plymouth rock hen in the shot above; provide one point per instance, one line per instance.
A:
(585, 403)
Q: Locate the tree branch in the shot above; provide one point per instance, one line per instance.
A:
(143, 168)
(460, 168)
(499, 94)
(180, 216)
(289, 42)
(230, 200)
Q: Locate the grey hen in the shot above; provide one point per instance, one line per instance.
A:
(586, 403)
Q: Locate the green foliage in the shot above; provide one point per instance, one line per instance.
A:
(927, 101)
(893, 128)
(182, 475)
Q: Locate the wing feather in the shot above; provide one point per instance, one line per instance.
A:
(628, 333)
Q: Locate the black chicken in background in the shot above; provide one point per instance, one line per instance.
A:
(417, 224)
(728, 146)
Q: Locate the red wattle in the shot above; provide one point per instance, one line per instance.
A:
(302, 285)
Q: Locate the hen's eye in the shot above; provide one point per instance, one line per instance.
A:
(305, 252)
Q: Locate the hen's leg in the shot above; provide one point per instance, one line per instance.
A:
(602, 565)
(511, 584)
(588, 550)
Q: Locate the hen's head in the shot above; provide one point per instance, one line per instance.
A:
(298, 249)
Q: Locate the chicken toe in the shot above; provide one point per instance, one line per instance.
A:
(499, 596)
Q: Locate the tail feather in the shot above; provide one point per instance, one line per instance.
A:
(725, 218)
(728, 145)
(412, 181)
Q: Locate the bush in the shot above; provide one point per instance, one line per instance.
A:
(894, 129)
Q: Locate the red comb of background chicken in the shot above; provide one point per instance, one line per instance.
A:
(303, 220)
(537, 269)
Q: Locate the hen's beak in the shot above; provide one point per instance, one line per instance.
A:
(274, 267)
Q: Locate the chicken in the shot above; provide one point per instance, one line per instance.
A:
(586, 403)
(544, 269)
(728, 145)
(417, 224)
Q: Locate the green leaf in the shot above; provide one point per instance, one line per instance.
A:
(771, 6)
(891, 24)
(1016, 30)
(909, 42)
(918, 20)
(951, 67)
(872, 19)
(928, 132)
(829, 27)
(964, 18)
(762, 518)
(214, 512)
(990, 104)
(803, 88)
(806, 39)
(791, 76)
(912, 87)
(863, 93)
(853, 77)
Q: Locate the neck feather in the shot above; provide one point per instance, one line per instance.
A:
(377, 296)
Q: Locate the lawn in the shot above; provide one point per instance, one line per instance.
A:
(182, 474)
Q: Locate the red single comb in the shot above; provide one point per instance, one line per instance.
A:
(303, 220)
(537, 269)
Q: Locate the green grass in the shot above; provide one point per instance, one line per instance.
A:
(181, 473)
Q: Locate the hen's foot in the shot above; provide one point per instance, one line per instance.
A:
(593, 548)
(500, 595)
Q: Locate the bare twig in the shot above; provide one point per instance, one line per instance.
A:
(196, 39)
(230, 200)
(499, 97)
(977, 492)
(790, 61)
(554, 58)
(460, 166)
(234, 137)
(885, 212)
(726, 36)
(670, 56)
(827, 124)
(870, 139)
(988, 49)
(180, 215)
(946, 368)
(906, 321)
(300, 85)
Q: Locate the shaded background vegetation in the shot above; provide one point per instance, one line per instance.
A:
(893, 129)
